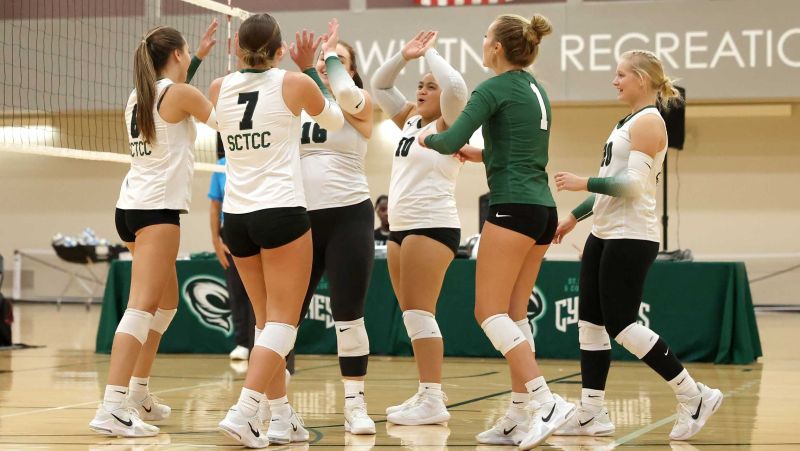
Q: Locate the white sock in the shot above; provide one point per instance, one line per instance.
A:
(517, 407)
(431, 388)
(280, 407)
(114, 397)
(139, 388)
(353, 391)
(538, 390)
(592, 400)
(684, 385)
(249, 400)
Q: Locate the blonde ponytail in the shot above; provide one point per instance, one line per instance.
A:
(648, 68)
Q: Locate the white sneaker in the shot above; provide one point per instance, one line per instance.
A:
(244, 430)
(408, 402)
(546, 419)
(427, 409)
(239, 353)
(587, 423)
(694, 412)
(287, 430)
(504, 432)
(356, 419)
(123, 422)
(150, 408)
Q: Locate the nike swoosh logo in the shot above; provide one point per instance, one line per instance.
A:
(294, 427)
(359, 103)
(254, 399)
(128, 423)
(697, 414)
(506, 432)
(587, 422)
(679, 383)
(594, 396)
(146, 409)
(143, 385)
(498, 215)
(254, 431)
(343, 330)
(667, 352)
(537, 389)
(121, 392)
(645, 163)
(550, 415)
(515, 402)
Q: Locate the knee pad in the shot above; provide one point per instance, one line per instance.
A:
(525, 328)
(421, 324)
(136, 323)
(637, 339)
(502, 332)
(593, 337)
(351, 338)
(278, 337)
(162, 319)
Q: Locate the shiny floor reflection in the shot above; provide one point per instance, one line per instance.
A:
(48, 395)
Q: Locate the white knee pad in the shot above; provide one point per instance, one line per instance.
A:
(421, 324)
(593, 337)
(502, 332)
(161, 320)
(637, 339)
(351, 338)
(135, 322)
(278, 337)
(525, 328)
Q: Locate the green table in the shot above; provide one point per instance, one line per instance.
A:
(703, 310)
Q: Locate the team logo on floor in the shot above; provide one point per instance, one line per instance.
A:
(536, 308)
(208, 300)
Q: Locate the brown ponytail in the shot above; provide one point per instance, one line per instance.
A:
(151, 56)
(520, 37)
(353, 65)
(259, 39)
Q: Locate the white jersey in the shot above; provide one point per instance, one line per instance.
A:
(161, 172)
(262, 143)
(422, 192)
(625, 217)
(333, 165)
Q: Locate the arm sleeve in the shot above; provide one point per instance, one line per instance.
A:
(349, 96)
(631, 183)
(311, 72)
(584, 210)
(389, 98)
(454, 90)
(480, 107)
(193, 68)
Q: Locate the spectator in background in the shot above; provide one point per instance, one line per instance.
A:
(244, 321)
(382, 210)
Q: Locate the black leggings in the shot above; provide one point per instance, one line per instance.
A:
(344, 249)
(613, 273)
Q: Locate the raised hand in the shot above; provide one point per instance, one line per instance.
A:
(303, 49)
(208, 40)
(417, 47)
(331, 39)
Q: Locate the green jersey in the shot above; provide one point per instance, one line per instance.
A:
(515, 114)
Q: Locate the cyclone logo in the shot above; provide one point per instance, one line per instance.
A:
(536, 308)
(208, 300)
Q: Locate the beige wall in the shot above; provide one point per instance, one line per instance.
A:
(739, 179)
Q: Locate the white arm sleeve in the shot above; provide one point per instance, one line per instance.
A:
(349, 96)
(639, 166)
(454, 90)
(331, 117)
(212, 119)
(389, 98)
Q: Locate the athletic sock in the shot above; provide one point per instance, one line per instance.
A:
(538, 390)
(592, 400)
(684, 385)
(353, 392)
(139, 388)
(114, 397)
(431, 388)
(280, 407)
(249, 400)
(517, 408)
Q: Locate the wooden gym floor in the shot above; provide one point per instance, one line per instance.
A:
(49, 394)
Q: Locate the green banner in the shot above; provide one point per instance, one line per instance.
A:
(703, 310)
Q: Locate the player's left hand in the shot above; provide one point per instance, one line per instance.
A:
(566, 181)
(304, 48)
(208, 40)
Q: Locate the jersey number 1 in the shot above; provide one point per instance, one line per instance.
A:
(544, 123)
(249, 98)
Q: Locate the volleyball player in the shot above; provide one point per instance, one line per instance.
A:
(424, 226)
(620, 250)
(340, 211)
(515, 113)
(156, 190)
(266, 223)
